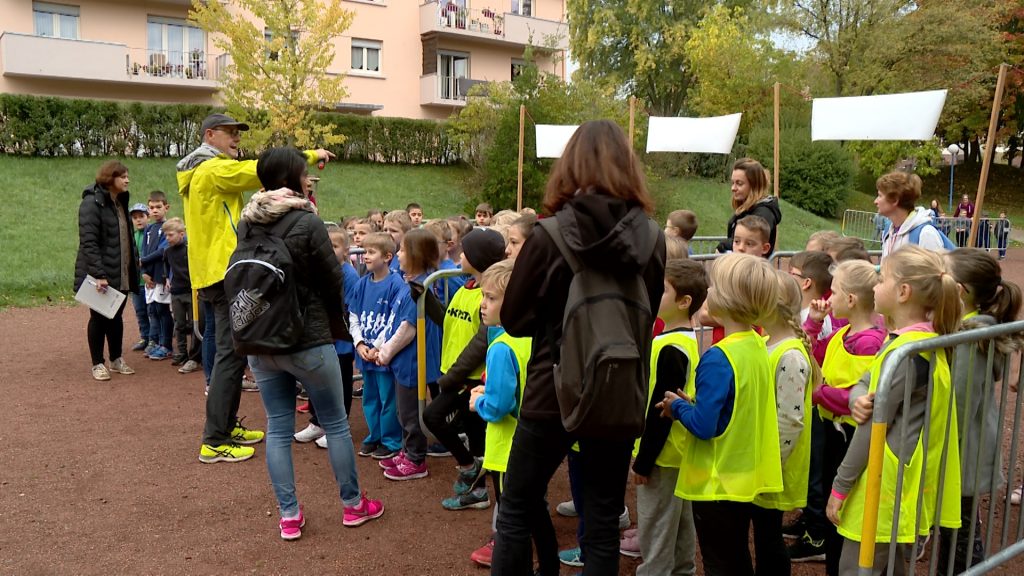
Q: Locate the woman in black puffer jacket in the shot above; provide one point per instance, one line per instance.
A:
(107, 252)
(318, 282)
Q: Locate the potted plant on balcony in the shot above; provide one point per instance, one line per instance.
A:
(499, 20)
(460, 18)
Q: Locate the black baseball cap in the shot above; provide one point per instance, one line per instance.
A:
(218, 120)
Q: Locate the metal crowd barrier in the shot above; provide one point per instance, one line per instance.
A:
(1003, 477)
(705, 245)
(421, 335)
(993, 233)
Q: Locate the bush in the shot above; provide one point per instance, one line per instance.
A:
(48, 126)
(816, 176)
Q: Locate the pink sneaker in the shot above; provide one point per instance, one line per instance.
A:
(366, 510)
(407, 470)
(291, 528)
(629, 533)
(630, 546)
(392, 462)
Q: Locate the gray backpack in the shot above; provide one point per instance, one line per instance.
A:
(602, 364)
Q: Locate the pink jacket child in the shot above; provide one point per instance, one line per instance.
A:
(864, 343)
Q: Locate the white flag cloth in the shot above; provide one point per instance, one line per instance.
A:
(909, 116)
(709, 135)
(552, 138)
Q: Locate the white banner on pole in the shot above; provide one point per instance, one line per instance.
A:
(552, 138)
(709, 135)
(909, 116)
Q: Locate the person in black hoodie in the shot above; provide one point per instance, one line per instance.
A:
(107, 252)
(749, 185)
(598, 195)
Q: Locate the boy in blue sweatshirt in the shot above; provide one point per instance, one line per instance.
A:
(158, 298)
(372, 314)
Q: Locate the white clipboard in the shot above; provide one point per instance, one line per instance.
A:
(106, 303)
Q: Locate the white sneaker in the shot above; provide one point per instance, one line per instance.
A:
(309, 434)
(321, 442)
(1015, 496)
(99, 372)
(188, 367)
(567, 508)
(120, 367)
(624, 518)
(249, 385)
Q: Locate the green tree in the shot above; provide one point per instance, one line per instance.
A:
(278, 73)
(638, 47)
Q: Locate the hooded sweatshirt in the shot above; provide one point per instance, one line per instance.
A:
(767, 208)
(607, 234)
(899, 236)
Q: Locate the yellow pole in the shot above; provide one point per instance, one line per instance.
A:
(196, 329)
(775, 153)
(522, 134)
(990, 149)
(869, 529)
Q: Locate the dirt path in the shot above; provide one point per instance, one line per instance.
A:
(103, 478)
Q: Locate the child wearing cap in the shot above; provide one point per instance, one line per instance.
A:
(140, 217)
(463, 352)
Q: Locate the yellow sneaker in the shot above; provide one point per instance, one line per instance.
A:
(243, 435)
(225, 453)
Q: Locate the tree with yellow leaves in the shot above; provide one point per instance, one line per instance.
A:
(278, 73)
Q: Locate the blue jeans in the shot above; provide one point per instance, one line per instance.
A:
(161, 325)
(379, 409)
(317, 369)
(209, 339)
(141, 314)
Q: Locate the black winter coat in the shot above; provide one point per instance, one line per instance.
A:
(100, 242)
(318, 282)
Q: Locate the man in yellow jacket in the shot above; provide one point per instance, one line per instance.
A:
(211, 181)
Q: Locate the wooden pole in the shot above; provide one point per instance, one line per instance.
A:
(990, 148)
(775, 158)
(632, 116)
(522, 133)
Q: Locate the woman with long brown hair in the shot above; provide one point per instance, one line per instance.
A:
(750, 196)
(597, 194)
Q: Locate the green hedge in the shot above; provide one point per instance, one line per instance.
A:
(49, 126)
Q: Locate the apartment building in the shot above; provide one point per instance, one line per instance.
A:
(407, 58)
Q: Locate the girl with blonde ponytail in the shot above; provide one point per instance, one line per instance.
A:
(794, 373)
(919, 298)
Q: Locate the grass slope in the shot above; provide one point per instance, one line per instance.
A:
(39, 226)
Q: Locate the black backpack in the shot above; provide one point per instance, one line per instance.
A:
(266, 317)
(602, 364)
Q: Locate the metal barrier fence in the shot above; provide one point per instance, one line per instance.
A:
(993, 233)
(1002, 478)
(703, 245)
(421, 330)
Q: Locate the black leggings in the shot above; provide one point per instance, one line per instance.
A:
(444, 416)
(102, 328)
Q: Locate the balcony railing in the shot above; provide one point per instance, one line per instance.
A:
(501, 24)
(85, 60)
(191, 65)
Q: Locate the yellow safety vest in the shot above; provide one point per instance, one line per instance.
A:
(842, 370)
(744, 460)
(852, 515)
(461, 323)
(669, 456)
(797, 467)
(498, 442)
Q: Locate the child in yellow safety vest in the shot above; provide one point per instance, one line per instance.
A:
(988, 299)
(665, 534)
(497, 400)
(730, 453)
(794, 373)
(920, 300)
(849, 352)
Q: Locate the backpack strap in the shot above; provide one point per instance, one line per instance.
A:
(550, 226)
